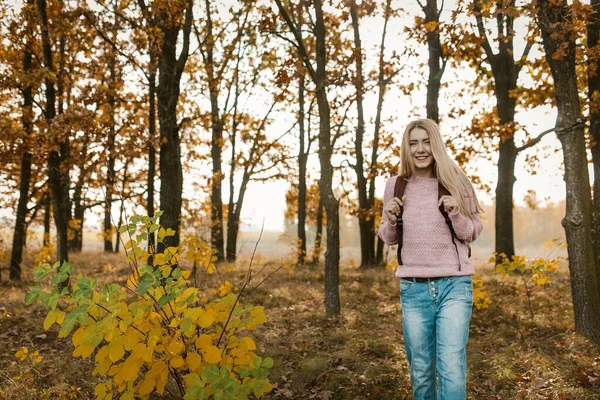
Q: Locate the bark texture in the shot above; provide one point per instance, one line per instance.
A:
(556, 25)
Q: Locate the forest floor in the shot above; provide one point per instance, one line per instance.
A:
(357, 356)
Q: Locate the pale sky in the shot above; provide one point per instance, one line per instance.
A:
(266, 201)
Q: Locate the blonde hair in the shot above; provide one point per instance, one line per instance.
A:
(445, 168)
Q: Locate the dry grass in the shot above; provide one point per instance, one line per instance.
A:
(358, 356)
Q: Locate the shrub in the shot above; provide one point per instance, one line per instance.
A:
(156, 333)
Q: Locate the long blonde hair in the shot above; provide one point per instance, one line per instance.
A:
(445, 168)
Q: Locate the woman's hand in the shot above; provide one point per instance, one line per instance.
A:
(449, 203)
(391, 211)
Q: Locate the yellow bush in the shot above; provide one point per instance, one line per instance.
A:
(156, 333)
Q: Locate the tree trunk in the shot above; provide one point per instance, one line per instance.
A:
(110, 170)
(382, 83)
(58, 178)
(302, 160)
(171, 177)
(366, 245)
(47, 211)
(76, 241)
(379, 257)
(27, 120)
(331, 204)
(216, 198)
(505, 74)
(318, 235)
(594, 130)
(151, 149)
(122, 210)
(435, 54)
(578, 224)
(507, 156)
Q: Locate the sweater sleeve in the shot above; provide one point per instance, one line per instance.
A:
(387, 232)
(467, 229)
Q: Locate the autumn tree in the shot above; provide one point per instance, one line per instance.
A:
(366, 182)
(217, 49)
(27, 121)
(593, 82)
(436, 56)
(559, 36)
(499, 71)
(254, 154)
(169, 22)
(331, 204)
(59, 152)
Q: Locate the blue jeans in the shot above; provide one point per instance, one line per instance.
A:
(435, 321)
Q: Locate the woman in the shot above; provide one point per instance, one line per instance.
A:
(434, 266)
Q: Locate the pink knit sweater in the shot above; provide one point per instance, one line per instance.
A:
(427, 249)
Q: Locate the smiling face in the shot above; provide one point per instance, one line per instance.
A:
(420, 151)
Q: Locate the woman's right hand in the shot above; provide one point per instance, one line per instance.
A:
(391, 210)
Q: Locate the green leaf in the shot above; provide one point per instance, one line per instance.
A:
(210, 374)
(60, 277)
(33, 293)
(163, 301)
(70, 320)
(176, 273)
(86, 286)
(145, 283)
(122, 228)
(41, 272)
(53, 301)
(66, 268)
(267, 362)
(153, 228)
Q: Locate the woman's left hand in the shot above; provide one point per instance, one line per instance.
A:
(449, 203)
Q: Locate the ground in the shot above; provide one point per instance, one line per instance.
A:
(359, 355)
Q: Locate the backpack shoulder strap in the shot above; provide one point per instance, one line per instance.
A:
(442, 191)
(399, 189)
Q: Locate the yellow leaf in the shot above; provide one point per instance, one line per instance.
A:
(60, 317)
(101, 354)
(116, 351)
(259, 315)
(249, 343)
(212, 354)
(146, 386)
(78, 335)
(162, 380)
(127, 396)
(138, 350)
(130, 370)
(176, 347)
(100, 390)
(193, 360)
(189, 292)
(84, 350)
(22, 354)
(203, 341)
(131, 339)
(52, 317)
(177, 362)
(205, 320)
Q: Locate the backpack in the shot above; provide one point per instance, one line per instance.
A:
(442, 191)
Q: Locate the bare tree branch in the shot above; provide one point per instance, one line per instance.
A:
(535, 141)
(482, 35)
